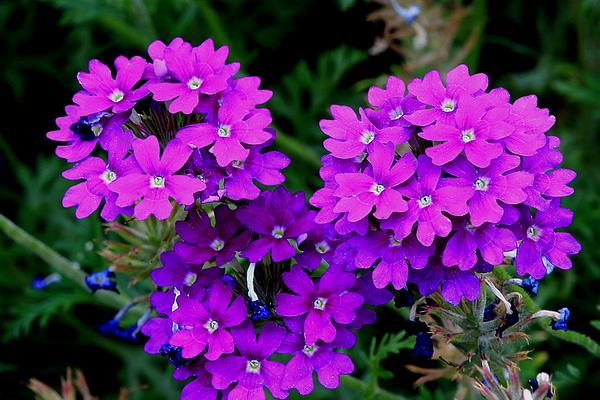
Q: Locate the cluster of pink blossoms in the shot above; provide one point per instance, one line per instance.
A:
(437, 183)
(242, 282)
(177, 128)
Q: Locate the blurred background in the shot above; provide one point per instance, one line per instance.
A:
(311, 53)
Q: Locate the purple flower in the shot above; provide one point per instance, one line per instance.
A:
(444, 101)
(83, 133)
(201, 386)
(349, 136)
(329, 299)
(530, 123)
(203, 242)
(489, 185)
(548, 181)
(539, 239)
(205, 324)
(157, 180)
(276, 216)
(393, 255)
(376, 187)
(320, 244)
(372, 296)
(159, 330)
(98, 175)
(233, 127)
(195, 71)
(474, 130)
(318, 357)
(102, 92)
(455, 283)
(203, 166)
(490, 240)
(392, 104)
(262, 167)
(174, 272)
(251, 371)
(428, 198)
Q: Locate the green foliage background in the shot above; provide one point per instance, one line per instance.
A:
(311, 53)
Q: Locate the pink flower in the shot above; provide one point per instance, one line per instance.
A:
(158, 180)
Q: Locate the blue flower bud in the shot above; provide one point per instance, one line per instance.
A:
(102, 280)
(423, 346)
(530, 285)
(561, 324)
(259, 311)
(174, 354)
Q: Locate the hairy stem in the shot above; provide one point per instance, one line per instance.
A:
(60, 264)
(372, 393)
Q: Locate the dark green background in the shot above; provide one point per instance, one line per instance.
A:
(311, 53)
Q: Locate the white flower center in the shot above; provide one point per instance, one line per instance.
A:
(534, 233)
(367, 136)
(224, 131)
(194, 83)
(395, 242)
(157, 182)
(237, 164)
(470, 227)
(278, 232)
(424, 201)
(448, 105)
(190, 279)
(97, 129)
(108, 176)
(253, 366)
(377, 188)
(116, 95)
(361, 157)
(322, 247)
(217, 244)
(211, 325)
(310, 350)
(481, 183)
(396, 114)
(468, 135)
(319, 303)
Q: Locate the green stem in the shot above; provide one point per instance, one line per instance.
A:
(378, 393)
(60, 264)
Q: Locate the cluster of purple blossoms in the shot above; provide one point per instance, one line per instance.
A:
(434, 184)
(242, 285)
(178, 128)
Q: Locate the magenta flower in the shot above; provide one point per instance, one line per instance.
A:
(250, 372)
(394, 256)
(82, 133)
(350, 136)
(276, 216)
(455, 284)
(444, 101)
(320, 244)
(392, 104)
(157, 180)
(530, 123)
(174, 272)
(491, 242)
(490, 185)
(324, 198)
(548, 182)
(428, 198)
(102, 92)
(474, 130)
(234, 126)
(98, 175)
(318, 357)
(203, 242)
(196, 71)
(375, 187)
(156, 51)
(329, 299)
(201, 386)
(539, 239)
(265, 168)
(204, 324)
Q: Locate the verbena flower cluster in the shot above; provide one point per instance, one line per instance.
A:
(259, 282)
(178, 128)
(243, 301)
(436, 183)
